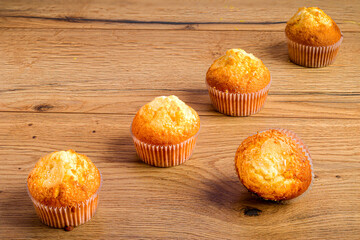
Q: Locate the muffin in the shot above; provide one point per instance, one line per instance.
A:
(274, 164)
(64, 189)
(238, 83)
(313, 38)
(165, 131)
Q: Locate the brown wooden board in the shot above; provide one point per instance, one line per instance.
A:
(74, 73)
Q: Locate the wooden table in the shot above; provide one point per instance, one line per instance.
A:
(73, 75)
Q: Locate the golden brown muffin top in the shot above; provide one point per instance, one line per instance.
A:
(312, 27)
(273, 166)
(238, 72)
(63, 178)
(165, 121)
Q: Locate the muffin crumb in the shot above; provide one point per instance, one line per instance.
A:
(69, 228)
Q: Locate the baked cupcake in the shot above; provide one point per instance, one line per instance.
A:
(313, 38)
(274, 165)
(64, 189)
(238, 83)
(165, 131)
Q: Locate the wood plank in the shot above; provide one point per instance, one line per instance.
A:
(112, 74)
(59, 59)
(162, 14)
(292, 104)
(19, 130)
(200, 199)
(74, 73)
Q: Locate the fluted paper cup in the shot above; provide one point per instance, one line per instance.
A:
(67, 216)
(238, 104)
(165, 156)
(315, 57)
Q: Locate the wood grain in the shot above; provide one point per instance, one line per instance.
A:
(201, 198)
(128, 60)
(74, 73)
(163, 14)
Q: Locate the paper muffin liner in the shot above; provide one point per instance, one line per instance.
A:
(61, 217)
(306, 151)
(309, 56)
(238, 104)
(165, 156)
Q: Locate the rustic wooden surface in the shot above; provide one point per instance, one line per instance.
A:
(73, 75)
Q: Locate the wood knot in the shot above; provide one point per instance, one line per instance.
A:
(33, 137)
(189, 27)
(43, 107)
(250, 211)
(215, 54)
(338, 176)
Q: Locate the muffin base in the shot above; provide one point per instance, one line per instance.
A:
(165, 156)
(315, 57)
(61, 217)
(238, 104)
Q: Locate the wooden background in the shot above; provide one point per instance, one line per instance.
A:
(73, 75)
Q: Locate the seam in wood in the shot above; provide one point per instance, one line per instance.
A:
(129, 21)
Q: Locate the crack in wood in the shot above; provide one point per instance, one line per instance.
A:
(129, 21)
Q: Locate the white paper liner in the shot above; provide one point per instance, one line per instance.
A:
(238, 104)
(309, 56)
(61, 217)
(306, 151)
(165, 156)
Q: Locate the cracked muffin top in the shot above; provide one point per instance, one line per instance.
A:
(312, 27)
(165, 121)
(273, 166)
(63, 178)
(238, 72)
